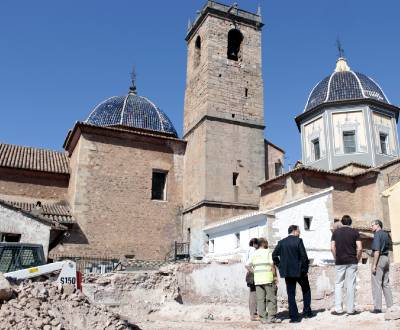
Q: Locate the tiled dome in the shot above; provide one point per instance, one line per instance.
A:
(132, 111)
(344, 84)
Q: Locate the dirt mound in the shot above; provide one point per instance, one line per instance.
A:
(45, 305)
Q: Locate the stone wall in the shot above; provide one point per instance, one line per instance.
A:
(223, 126)
(110, 194)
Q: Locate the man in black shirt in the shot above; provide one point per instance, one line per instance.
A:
(380, 267)
(346, 249)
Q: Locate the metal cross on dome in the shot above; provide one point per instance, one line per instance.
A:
(133, 81)
(340, 48)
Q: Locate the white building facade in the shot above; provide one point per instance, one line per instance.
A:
(16, 226)
(228, 240)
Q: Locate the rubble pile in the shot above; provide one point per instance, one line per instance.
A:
(47, 306)
(135, 295)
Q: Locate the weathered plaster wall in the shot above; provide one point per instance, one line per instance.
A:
(31, 230)
(317, 238)
(226, 283)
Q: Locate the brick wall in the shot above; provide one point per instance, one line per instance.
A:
(273, 155)
(16, 184)
(110, 193)
(359, 197)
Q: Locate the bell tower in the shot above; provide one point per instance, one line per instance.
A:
(223, 118)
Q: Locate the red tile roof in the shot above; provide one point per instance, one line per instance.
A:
(53, 212)
(319, 170)
(34, 159)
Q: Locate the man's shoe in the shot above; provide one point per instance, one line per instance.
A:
(295, 320)
(376, 311)
(309, 315)
(255, 318)
(337, 313)
(353, 313)
(274, 320)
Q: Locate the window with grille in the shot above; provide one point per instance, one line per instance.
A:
(29, 257)
(383, 142)
(158, 185)
(349, 142)
(316, 149)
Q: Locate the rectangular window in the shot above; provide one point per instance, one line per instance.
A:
(307, 223)
(316, 149)
(237, 237)
(383, 142)
(158, 185)
(235, 177)
(10, 237)
(349, 142)
(278, 169)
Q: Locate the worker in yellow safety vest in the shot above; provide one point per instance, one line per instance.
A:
(265, 280)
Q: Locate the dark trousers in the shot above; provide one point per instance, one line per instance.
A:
(291, 292)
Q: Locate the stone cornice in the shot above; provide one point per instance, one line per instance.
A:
(220, 204)
(117, 132)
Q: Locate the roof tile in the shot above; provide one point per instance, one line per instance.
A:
(33, 159)
(55, 212)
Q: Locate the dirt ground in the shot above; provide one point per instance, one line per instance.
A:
(224, 317)
(158, 301)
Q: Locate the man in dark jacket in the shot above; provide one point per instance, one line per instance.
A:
(291, 257)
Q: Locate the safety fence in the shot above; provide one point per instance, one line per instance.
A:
(87, 265)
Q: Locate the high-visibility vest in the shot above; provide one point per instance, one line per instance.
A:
(261, 261)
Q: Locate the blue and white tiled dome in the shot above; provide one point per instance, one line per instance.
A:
(344, 84)
(132, 111)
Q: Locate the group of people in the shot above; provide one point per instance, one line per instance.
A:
(290, 258)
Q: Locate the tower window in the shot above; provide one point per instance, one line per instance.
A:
(316, 149)
(278, 168)
(349, 142)
(307, 223)
(197, 51)
(158, 185)
(383, 142)
(246, 92)
(235, 39)
(235, 177)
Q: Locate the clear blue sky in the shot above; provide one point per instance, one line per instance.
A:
(58, 59)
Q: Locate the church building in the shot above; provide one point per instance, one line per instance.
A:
(350, 165)
(127, 185)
